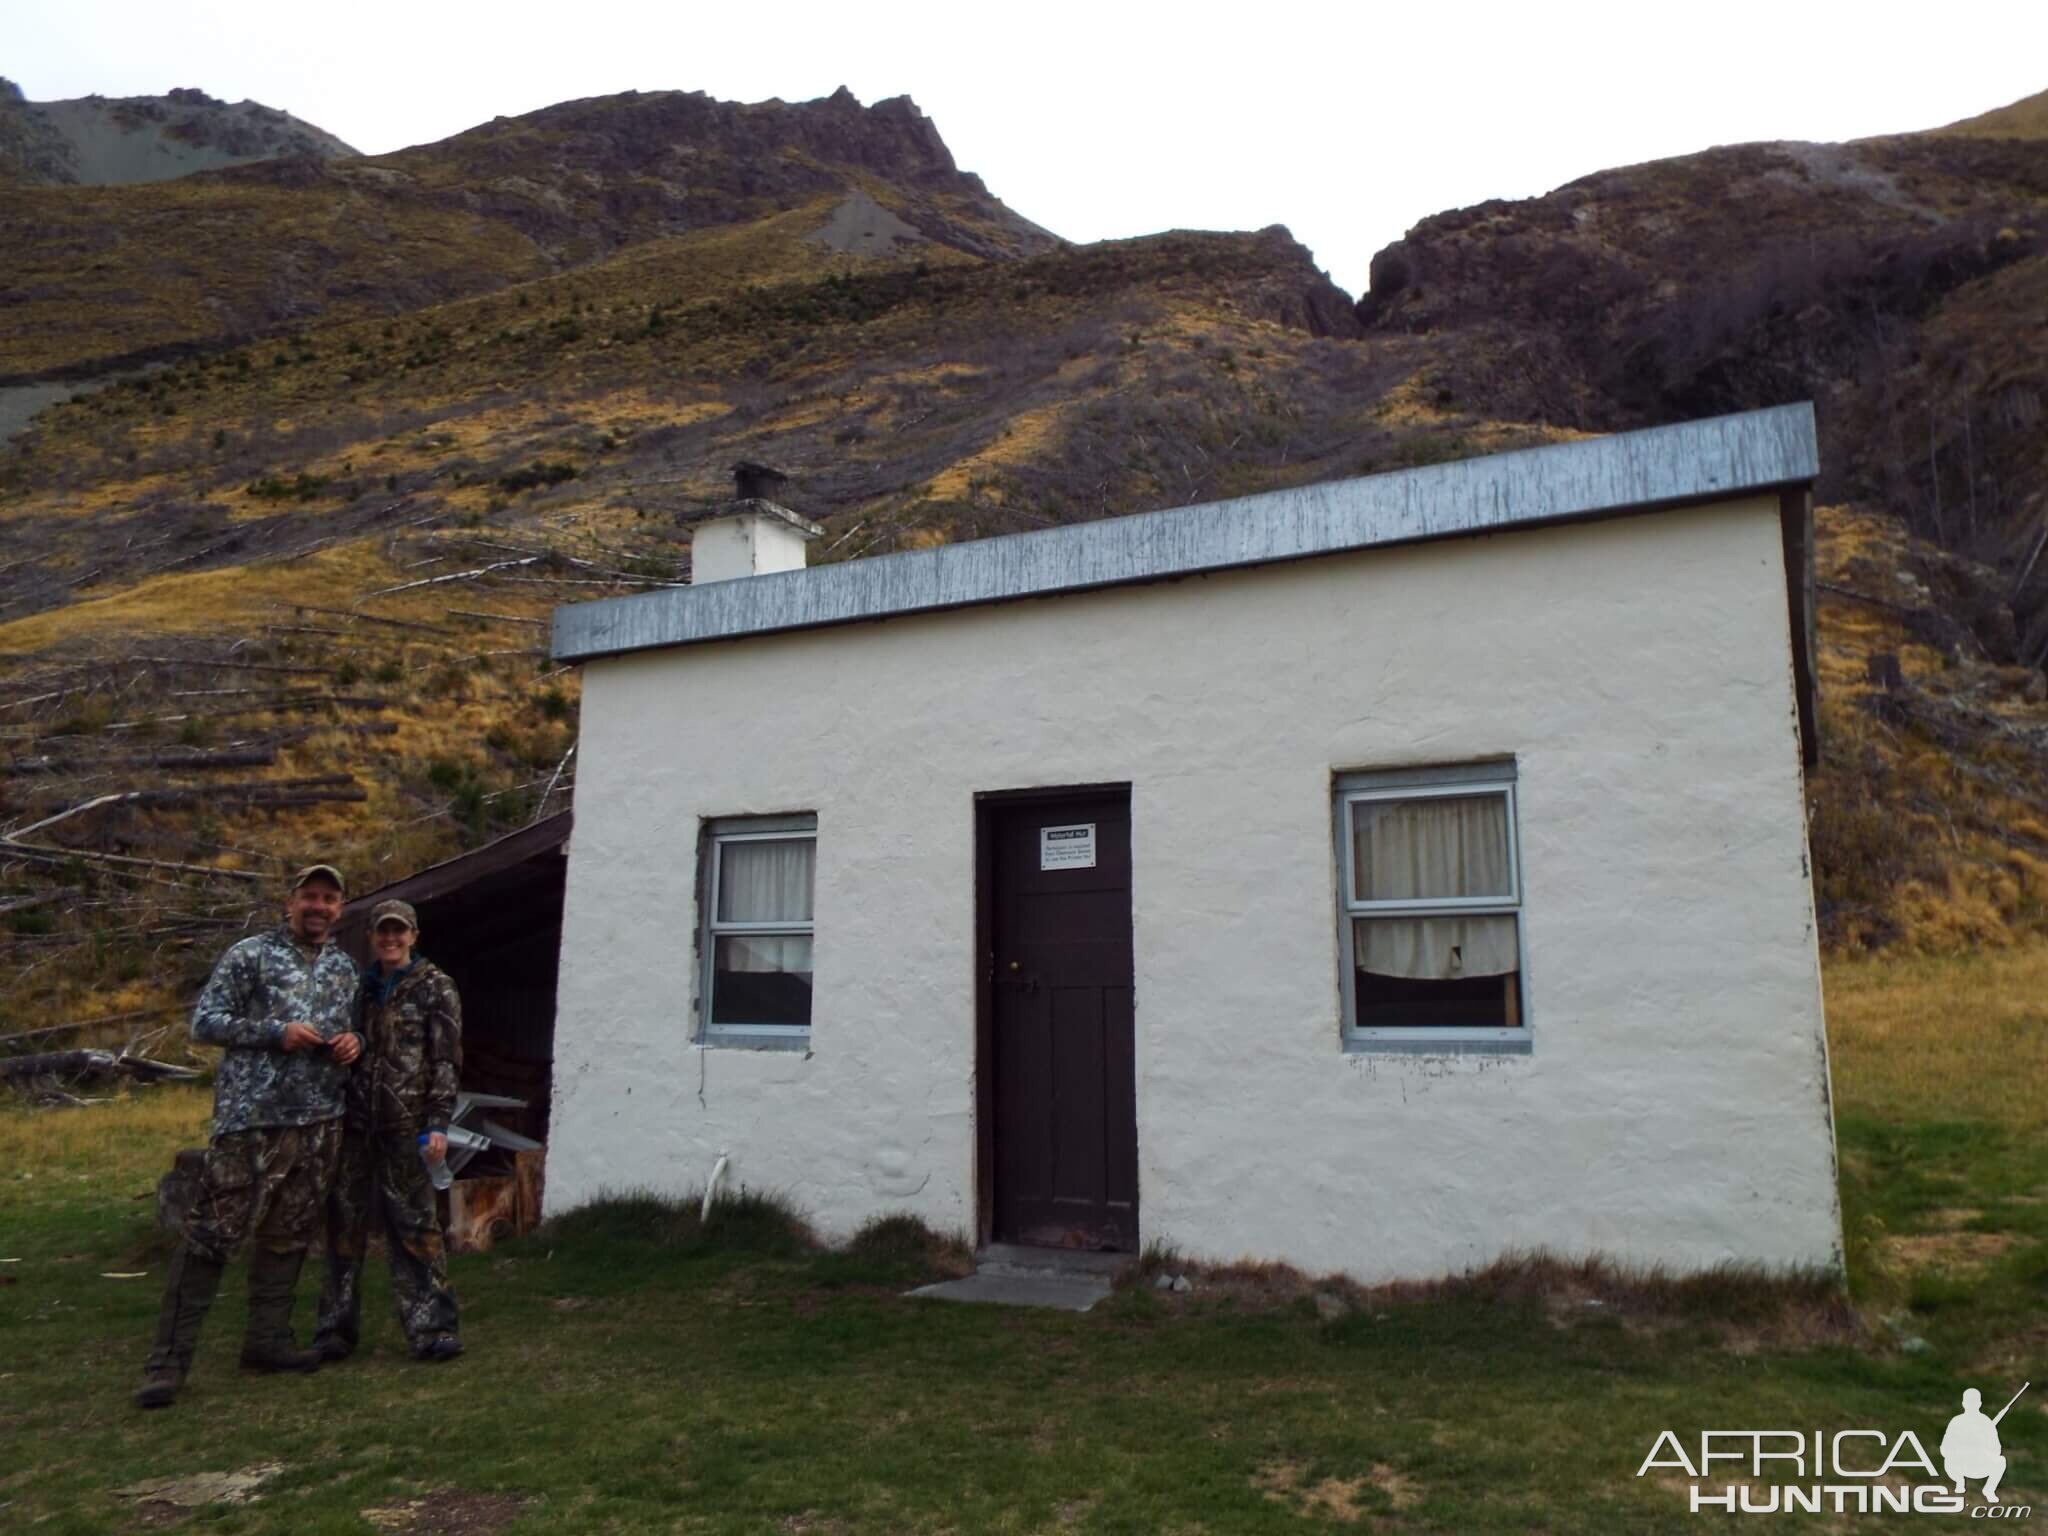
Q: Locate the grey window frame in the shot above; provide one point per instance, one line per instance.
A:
(1473, 778)
(717, 832)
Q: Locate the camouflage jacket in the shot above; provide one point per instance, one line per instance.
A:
(412, 1051)
(259, 986)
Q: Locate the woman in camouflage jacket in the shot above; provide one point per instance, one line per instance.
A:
(401, 1098)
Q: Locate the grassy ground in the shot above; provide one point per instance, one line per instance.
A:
(629, 1372)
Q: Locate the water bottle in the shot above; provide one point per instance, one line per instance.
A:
(437, 1167)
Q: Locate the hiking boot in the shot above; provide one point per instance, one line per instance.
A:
(273, 1287)
(332, 1347)
(442, 1346)
(189, 1289)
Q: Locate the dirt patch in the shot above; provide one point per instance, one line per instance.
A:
(1960, 1253)
(448, 1512)
(812, 1523)
(163, 1500)
(1333, 1498)
(1402, 1491)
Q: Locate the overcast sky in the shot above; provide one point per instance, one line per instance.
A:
(1345, 123)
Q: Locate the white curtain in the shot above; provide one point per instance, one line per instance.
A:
(766, 882)
(1437, 948)
(1408, 850)
(1429, 848)
(764, 954)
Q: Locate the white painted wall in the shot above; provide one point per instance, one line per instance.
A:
(1674, 1107)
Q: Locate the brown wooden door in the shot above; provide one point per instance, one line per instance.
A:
(1065, 1090)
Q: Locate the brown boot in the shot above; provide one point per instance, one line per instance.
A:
(273, 1287)
(189, 1289)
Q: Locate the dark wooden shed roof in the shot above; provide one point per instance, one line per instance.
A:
(497, 876)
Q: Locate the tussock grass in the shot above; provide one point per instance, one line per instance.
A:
(765, 1224)
(1919, 1037)
(895, 1251)
(1747, 1293)
(126, 1142)
(231, 598)
(899, 1235)
(1739, 1303)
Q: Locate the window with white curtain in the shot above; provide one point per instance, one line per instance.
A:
(1430, 909)
(755, 893)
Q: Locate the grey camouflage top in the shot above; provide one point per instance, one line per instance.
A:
(259, 986)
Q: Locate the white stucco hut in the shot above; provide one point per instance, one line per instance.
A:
(1378, 875)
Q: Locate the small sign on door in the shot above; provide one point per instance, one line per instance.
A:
(1069, 847)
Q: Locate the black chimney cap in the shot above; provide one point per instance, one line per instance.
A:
(757, 482)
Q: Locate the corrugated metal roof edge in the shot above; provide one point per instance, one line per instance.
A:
(1660, 467)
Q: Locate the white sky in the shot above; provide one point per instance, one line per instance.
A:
(1346, 123)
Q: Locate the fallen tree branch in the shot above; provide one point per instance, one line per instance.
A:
(92, 1063)
(1864, 597)
(238, 666)
(105, 1018)
(243, 757)
(22, 850)
(435, 581)
(542, 809)
(24, 903)
(499, 618)
(38, 699)
(371, 618)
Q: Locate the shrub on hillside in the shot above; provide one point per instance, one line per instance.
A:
(539, 473)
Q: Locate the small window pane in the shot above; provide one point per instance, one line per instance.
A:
(1436, 948)
(1395, 1003)
(761, 979)
(766, 881)
(1424, 849)
(1437, 972)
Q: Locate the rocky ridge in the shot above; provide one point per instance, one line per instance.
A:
(99, 141)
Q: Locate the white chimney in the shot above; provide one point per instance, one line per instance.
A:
(753, 537)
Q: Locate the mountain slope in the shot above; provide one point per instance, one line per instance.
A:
(2024, 119)
(97, 142)
(286, 595)
(1901, 284)
(102, 278)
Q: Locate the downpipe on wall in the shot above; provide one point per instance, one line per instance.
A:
(711, 1187)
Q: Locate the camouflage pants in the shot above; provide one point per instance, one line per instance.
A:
(383, 1180)
(268, 1181)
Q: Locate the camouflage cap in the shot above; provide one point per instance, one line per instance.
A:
(394, 911)
(312, 870)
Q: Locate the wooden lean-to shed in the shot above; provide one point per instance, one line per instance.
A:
(1379, 875)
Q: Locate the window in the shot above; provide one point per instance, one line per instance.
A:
(1430, 909)
(755, 893)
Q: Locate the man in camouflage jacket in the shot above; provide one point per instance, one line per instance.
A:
(400, 1103)
(283, 1004)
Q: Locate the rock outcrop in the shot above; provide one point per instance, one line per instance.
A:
(101, 141)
